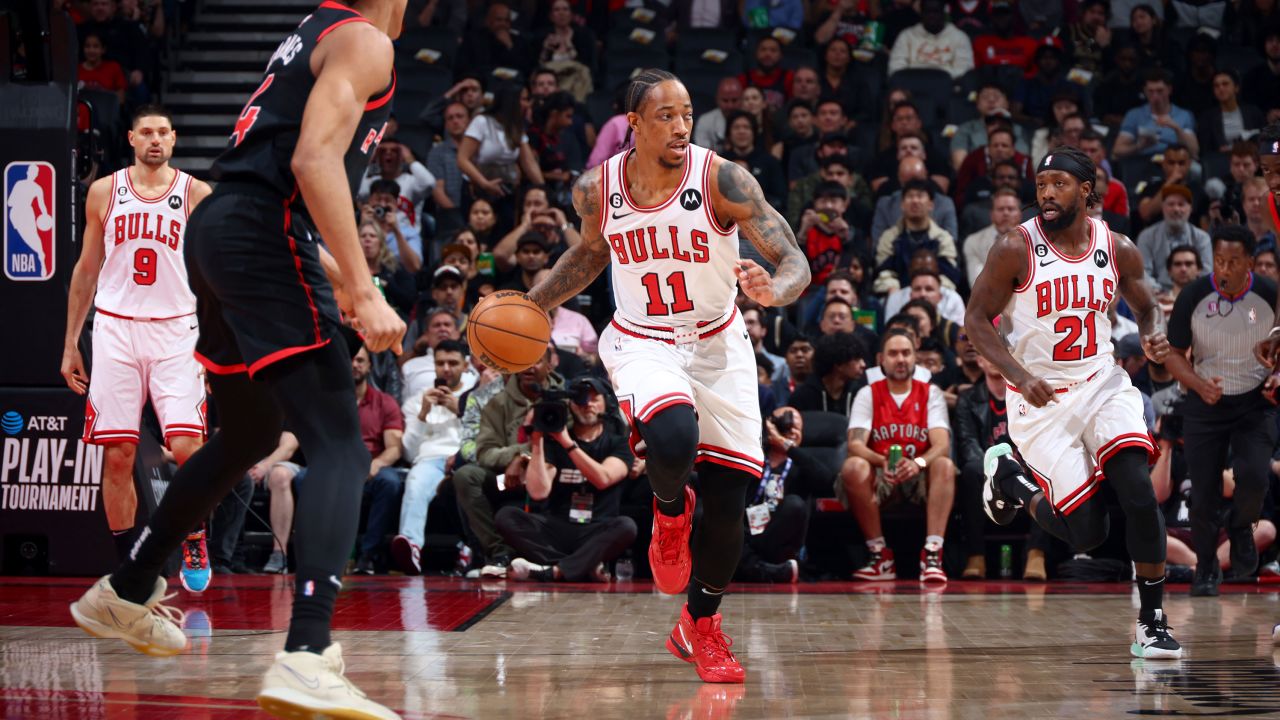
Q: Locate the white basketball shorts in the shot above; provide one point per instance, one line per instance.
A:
(133, 359)
(1065, 443)
(712, 368)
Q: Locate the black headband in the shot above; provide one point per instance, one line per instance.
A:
(1272, 148)
(1068, 164)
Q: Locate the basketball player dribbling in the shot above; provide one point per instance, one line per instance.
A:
(667, 214)
(1074, 415)
(269, 339)
(131, 268)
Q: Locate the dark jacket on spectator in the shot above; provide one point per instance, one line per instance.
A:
(500, 423)
(976, 424)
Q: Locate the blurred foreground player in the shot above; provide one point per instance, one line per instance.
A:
(1073, 413)
(132, 270)
(665, 214)
(268, 337)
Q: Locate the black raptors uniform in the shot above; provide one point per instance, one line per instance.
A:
(251, 251)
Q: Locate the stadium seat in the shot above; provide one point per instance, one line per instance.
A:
(426, 78)
(439, 40)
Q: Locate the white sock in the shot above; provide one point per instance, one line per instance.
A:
(933, 542)
(876, 544)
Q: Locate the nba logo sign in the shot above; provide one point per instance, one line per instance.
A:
(29, 224)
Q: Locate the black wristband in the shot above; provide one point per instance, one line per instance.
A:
(569, 450)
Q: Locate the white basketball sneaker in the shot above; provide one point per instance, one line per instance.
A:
(149, 628)
(1153, 641)
(304, 685)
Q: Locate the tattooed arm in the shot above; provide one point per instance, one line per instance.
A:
(737, 197)
(581, 263)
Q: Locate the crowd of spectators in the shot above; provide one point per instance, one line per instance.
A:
(898, 138)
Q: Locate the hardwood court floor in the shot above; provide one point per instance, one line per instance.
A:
(441, 648)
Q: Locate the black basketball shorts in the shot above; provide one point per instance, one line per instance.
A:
(262, 295)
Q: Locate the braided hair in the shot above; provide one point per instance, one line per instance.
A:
(638, 90)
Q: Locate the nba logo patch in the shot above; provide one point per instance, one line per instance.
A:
(29, 221)
(1253, 316)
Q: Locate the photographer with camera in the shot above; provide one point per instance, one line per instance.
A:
(405, 242)
(578, 460)
(1219, 318)
(777, 518)
(502, 458)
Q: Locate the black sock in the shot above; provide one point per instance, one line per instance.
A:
(671, 508)
(1151, 596)
(703, 601)
(1015, 483)
(124, 540)
(315, 593)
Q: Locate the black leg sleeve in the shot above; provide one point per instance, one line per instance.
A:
(717, 536)
(1129, 475)
(671, 444)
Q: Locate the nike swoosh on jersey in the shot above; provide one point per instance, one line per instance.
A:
(616, 216)
(1043, 263)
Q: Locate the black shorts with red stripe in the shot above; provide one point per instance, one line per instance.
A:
(262, 295)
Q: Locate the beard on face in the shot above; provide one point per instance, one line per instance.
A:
(1066, 216)
(1177, 226)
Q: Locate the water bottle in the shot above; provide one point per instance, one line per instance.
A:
(484, 264)
(623, 569)
(1006, 562)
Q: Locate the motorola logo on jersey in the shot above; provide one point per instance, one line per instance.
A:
(1100, 258)
(691, 199)
(175, 202)
(649, 244)
(29, 222)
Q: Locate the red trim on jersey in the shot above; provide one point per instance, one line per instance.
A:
(331, 5)
(279, 355)
(112, 437)
(1093, 485)
(186, 197)
(108, 313)
(626, 192)
(671, 341)
(1093, 242)
(111, 203)
(662, 402)
(386, 97)
(1275, 214)
(731, 453)
(151, 201)
(1061, 390)
(706, 197)
(217, 369)
(1128, 440)
(604, 195)
(182, 433)
(340, 23)
(1031, 262)
(297, 266)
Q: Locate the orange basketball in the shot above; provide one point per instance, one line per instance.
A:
(508, 331)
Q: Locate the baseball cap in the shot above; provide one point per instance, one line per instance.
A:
(446, 272)
(456, 249)
(1128, 346)
(533, 238)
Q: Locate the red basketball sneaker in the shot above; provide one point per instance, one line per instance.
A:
(669, 556)
(703, 644)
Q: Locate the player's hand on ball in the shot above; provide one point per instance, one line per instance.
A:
(1036, 391)
(755, 282)
(379, 325)
(73, 370)
(1156, 346)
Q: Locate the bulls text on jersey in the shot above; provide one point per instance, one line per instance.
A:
(653, 243)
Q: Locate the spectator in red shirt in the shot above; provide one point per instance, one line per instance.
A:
(382, 428)
(767, 75)
(95, 73)
(1116, 198)
(823, 230)
(1003, 45)
(981, 161)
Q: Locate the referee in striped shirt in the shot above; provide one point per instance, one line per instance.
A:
(1220, 317)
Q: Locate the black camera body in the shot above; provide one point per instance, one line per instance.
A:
(551, 412)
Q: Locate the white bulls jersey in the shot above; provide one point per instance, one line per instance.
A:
(673, 264)
(1058, 322)
(144, 274)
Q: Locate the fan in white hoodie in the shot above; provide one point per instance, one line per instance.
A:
(932, 44)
